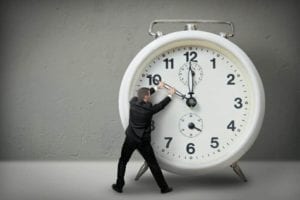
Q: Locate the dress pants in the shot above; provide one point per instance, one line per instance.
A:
(145, 149)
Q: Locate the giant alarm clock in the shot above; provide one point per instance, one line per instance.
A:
(218, 111)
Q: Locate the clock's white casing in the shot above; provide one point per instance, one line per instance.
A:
(212, 41)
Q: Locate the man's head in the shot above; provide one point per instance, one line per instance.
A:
(144, 94)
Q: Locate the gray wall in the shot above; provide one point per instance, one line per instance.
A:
(62, 63)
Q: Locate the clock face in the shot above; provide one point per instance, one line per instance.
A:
(190, 138)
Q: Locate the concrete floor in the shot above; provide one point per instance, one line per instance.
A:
(92, 180)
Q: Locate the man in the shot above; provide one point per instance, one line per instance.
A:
(138, 136)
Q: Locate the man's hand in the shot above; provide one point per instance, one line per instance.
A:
(171, 91)
(161, 85)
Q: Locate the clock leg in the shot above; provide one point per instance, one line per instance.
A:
(236, 168)
(141, 171)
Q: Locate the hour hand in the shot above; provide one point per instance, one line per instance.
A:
(167, 86)
(192, 126)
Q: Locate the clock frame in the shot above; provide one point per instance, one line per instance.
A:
(206, 40)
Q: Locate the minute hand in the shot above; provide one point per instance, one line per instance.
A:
(190, 80)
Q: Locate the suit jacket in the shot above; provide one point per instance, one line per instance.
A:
(140, 117)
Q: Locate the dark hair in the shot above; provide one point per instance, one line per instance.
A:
(142, 92)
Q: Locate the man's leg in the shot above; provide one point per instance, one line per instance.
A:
(147, 152)
(127, 149)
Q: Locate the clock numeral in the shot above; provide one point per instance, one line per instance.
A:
(231, 78)
(190, 148)
(213, 63)
(152, 125)
(214, 142)
(169, 139)
(191, 56)
(231, 125)
(169, 63)
(239, 103)
(155, 79)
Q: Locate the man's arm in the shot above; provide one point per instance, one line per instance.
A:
(154, 89)
(161, 105)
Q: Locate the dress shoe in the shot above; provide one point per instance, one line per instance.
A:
(116, 188)
(168, 189)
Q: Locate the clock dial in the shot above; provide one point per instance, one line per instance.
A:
(224, 102)
(190, 125)
(197, 73)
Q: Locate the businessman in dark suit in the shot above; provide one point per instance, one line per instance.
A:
(138, 136)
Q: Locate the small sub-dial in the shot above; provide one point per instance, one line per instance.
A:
(190, 125)
(197, 73)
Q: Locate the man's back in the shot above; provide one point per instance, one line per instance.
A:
(141, 115)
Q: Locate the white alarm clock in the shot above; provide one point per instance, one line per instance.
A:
(219, 107)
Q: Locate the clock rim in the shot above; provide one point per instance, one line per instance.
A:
(258, 96)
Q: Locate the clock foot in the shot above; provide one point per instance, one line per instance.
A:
(236, 168)
(141, 171)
